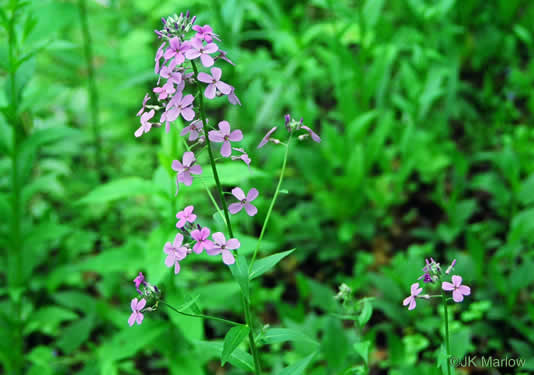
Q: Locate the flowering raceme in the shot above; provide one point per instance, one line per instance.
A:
(182, 87)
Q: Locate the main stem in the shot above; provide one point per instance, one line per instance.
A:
(93, 92)
(17, 246)
(246, 305)
(447, 345)
(273, 201)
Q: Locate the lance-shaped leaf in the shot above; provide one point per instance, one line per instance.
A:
(232, 340)
(266, 264)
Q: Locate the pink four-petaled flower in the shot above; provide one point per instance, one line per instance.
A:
(205, 33)
(180, 106)
(223, 247)
(225, 136)
(184, 216)
(137, 315)
(175, 253)
(199, 49)
(186, 168)
(415, 290)
(145, 124)
(244, 201)
(214, 83)
(458, 290)
(193, 129)
(176, 49)
(201, 236)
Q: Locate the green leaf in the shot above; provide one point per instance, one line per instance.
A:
(362, 348)
(298, 367)
(48, 319)
(119, 189)
(232, 340)
(238, 358)
(365, 314)
(75, 334)
(278, 335)
(265, 264)
(240, 272)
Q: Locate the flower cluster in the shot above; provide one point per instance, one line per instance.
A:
(432, 275)
(185, 51)
(293, 126)
(149, 295)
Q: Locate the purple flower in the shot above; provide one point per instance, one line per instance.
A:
(314, 136)
(198, 49)
(232, 98)
(220, 246)
(234, 208)
(140, 279)
(145, 100)
(180, 106)
(224, 56)
(186, 169)
(244, 156)
(173, 77)
(175, 253)
(267, 137)
(205, 33)
(159, 55)
(214, 83)
(201, 236)
(136, 316)
(414, 292)
(185, 216)
(164, 91)
(458, 290)
(193, 129)
(224, 135)
(176, 49)
(145, 124)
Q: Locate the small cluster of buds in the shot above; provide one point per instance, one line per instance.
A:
(432, 274)
(292, 126)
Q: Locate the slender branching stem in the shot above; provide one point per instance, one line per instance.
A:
(447, 345)
(93, 92)
(246, 306)
(273, 201)
(231, 322)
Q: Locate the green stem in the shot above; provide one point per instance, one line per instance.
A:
(17, 246)
(93, 92)
(273, 201)
(201, 315)
(246, 306)
(447, 345)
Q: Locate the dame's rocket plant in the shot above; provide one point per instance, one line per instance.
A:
(185, 63)
(433, 280)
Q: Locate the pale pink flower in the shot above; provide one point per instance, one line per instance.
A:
(458, 290)
(186, 168)
(225, 136)
(214, 83)
(137, 315)
(145, 124)
(175, 253)
(184, 216)
(198, 49)
(221, 246)
(201, 236)
(237, 192)
(415, 290)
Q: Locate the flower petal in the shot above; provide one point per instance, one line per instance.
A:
(206, 60)
(196, 169)
(234, 208)
(224, 87)
(141, 304)
(252, 194)
(139, 318)
(210, 48)
(189, 158)
(457, 280)
(236, 136)
(228, 257)
(238, 193)
(457, 296)
(219, 239)
(251, 209)
(216, 73)
(204, 77)
(131, 319)
(232, 244)
(226, 149)
(133, 304)
(465, 290)
(210, 91)
(447, 286)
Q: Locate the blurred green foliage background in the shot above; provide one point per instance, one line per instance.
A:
(425, 109)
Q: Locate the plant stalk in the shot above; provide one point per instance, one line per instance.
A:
(447, 345)
(246, 306)
(201, 315)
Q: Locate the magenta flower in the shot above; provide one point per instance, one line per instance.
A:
(225, 136)
(199, 49)
(180, 106)
(136, 316)
(234, 208)
(201, 236)
(159, 55)
(176, 49)
(414, 292)
(205, 33)
(314, 136)
(193, 129)
(186, 168)
(214, 83)
(458, 290)
(145, 100)
(220, 246)
(175, 253)
(232, 98)
(140, 279)
(244, 156)
(145, 124)
(185, 216)
(164, 91)
(267, 137)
